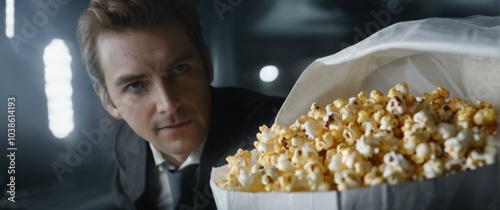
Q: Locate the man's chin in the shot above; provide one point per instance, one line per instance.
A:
(179, 146)
(174, 152)
(180, 140)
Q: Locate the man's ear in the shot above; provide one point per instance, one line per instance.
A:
(210, 65)
(106, 102)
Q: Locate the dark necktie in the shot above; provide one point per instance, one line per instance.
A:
(182, 182)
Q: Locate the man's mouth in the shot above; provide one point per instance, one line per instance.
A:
(176, 125)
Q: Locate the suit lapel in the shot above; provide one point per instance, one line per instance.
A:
(138, 168)
(135, 161)
(216, 144)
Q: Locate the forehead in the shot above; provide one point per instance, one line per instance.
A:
(135, 48)
(170, 33)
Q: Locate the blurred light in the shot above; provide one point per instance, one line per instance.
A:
(268, 73)
(9, 18)
(58, 88)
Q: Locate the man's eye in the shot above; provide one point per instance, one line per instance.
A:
(180, 69)
(135, 86)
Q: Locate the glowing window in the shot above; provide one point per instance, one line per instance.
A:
(58, 88)
(9, 18)
(268, 73)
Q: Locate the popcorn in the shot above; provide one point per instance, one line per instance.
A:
(423, 117)
(367, 141)
(288, 182)
(316, 182)
(410, 144)
(433, 168)
(310, 153)
(316, 112)
(373, 178)
(347, 179)
(265, 136)
(362, 116)
(388, 142)
(302, 182)
(298, 142)
(349, 113)
(435, 150)
(246, 179)
(362, 167)
(339, 103)
(441, 92)
(266, 148)
(240, 160)
(378, 115)
(396, 161)
(489, 155)
(422, 153)
(351, 133)
(396, 106)
(464, 117)
(335, 163)
(453, 165)
(270, 175)
(388, 123)
(485, 116)
(350, 157)
(333, 121)
(369, 126)
(476, 158)
(377, 97)
(355, 101)
(457, 146)
(298, 158)
(313, 128)
(285, 166)
(326, 142)
(444, 113)
(402, 88)
(312, 167)
(444, 131)
(368, 145)
(255, 168)
(362, 98)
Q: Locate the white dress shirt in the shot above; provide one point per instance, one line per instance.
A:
(164, 199)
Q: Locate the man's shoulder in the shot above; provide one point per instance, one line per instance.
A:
(127, 143)
(130, 153)
(236, 92)
(240, 113)
(242, 98)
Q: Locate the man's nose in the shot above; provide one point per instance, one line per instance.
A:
(166, 99)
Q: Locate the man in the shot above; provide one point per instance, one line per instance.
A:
(151, 68)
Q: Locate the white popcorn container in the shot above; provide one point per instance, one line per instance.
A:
(461, 55)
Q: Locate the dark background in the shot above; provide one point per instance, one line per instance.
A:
(289, 34)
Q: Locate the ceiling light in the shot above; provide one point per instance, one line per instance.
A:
(268, 73)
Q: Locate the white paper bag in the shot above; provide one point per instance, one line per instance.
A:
(462, 55)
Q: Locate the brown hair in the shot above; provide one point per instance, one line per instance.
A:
(117, 15)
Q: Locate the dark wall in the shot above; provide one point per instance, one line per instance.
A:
(22, 76)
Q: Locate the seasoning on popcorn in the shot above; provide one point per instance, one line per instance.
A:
(367, 141)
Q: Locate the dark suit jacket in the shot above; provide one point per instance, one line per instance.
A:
(236, 117)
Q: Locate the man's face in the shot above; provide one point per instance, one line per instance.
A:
(157, 81)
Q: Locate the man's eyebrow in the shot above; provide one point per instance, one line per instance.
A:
(182, 57)
(128, 78)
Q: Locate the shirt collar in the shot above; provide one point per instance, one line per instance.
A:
(193, 158)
